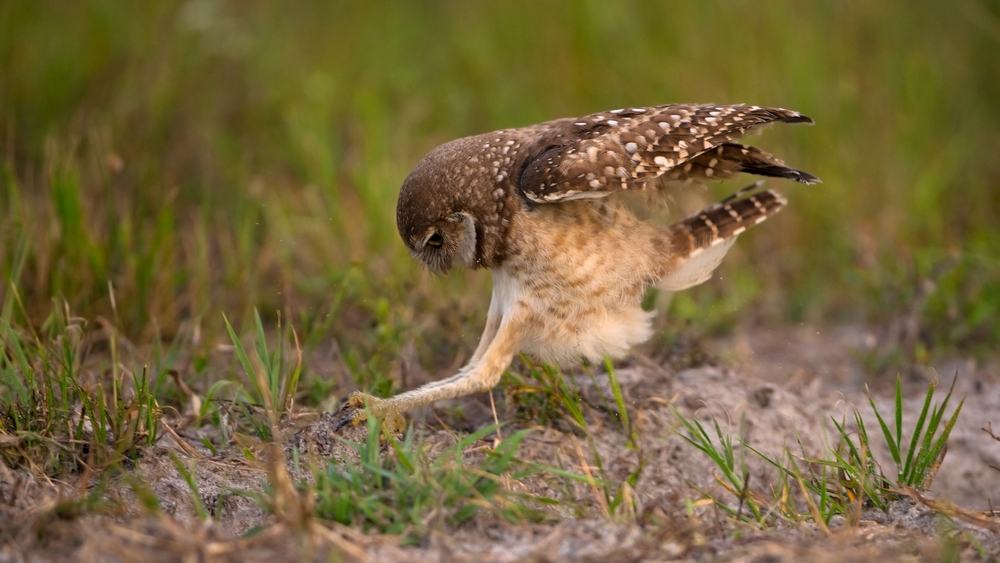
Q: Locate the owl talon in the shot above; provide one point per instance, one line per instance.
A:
(357, 408)
(343, 422)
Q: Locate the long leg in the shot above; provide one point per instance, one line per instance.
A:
(500, 341)
(493, 319)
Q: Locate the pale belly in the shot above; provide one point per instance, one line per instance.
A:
(578, 280)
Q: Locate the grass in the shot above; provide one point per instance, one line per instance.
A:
(202, 156)
(845, 479)
(61, 412)
(397, 494)
(273, 389)
(917, 471)
(414, 489)
(542, 396)
(409, 492)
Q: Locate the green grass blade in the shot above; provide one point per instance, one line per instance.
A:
(192, 483)
(19, 376)
(936, 455)
(846, 439)
(931, 451)
(915, 438)
(616, 390)
(899, 419)
(241, 353)
(266, 361)
(887, 434)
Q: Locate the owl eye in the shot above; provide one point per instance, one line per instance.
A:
(435, 240)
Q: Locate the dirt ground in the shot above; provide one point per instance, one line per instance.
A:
(781, 383)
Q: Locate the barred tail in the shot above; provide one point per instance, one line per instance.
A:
(701, 241)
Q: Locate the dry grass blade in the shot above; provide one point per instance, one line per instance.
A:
(989, 430)
(954, 511)
(598, 495)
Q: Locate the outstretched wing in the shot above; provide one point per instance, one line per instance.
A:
(606, 152)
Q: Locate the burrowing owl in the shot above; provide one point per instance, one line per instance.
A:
(570, 262)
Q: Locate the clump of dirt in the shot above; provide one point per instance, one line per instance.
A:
(324, 439)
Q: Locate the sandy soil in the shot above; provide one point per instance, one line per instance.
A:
(776, 384)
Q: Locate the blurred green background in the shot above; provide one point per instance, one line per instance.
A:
(164, 162)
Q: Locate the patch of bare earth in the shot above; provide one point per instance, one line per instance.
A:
(770, 387)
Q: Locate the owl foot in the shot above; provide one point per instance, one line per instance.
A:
(359, 406)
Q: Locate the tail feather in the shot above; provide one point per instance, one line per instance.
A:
(701, 241)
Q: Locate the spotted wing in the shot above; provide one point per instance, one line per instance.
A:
(607, 152)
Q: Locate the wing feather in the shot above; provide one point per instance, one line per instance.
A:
(607, 152)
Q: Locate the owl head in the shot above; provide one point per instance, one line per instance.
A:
(436, 211)
(443, 242)
(457, 205)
